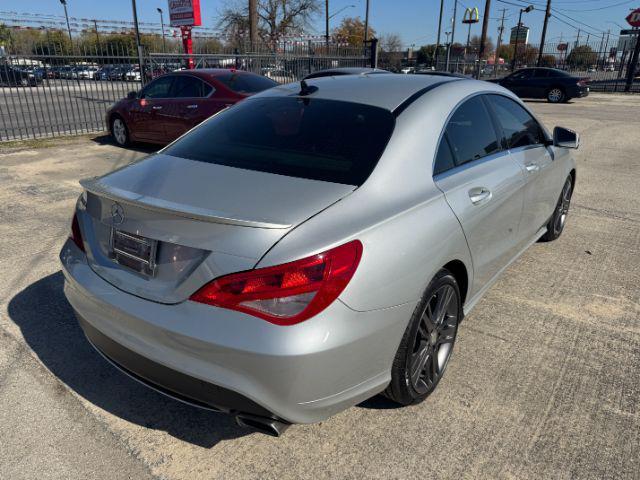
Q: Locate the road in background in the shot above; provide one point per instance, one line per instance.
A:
(543, 382)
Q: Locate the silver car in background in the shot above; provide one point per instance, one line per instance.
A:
(316, 244)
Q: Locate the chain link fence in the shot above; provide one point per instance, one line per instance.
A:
(53, 89)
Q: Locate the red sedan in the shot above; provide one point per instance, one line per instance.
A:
(176, 102)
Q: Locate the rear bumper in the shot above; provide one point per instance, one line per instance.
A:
(233, 362)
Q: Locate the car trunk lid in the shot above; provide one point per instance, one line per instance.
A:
(202, 221)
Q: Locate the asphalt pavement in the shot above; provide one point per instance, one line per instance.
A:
(543, 382)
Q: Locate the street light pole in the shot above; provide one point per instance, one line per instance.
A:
(515, 50)
(326, 23)
(66, 15)
(366, 23)
(164, 44)
(138, 44)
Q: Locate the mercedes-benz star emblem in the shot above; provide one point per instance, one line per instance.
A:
(117, 214)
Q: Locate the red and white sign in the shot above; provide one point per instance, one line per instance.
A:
(184, 13)
(633, 18)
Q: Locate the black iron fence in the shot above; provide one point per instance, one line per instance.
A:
(602, 62)
(51, 90)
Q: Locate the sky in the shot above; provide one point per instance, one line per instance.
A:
(416, 21)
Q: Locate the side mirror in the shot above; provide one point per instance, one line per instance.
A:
(565, 138)
(132, 95)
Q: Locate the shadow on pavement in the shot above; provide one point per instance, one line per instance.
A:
(136, 147)
(49, 327)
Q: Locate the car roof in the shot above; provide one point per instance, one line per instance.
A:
(211, 72)
(345, 71)
(388, 91)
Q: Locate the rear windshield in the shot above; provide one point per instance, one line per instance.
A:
(242, 83)
(326, 140)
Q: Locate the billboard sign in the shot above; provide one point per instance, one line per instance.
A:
(184, 13)
(633, 18)
(521, 33)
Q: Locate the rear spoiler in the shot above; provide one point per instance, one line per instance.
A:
(94, 186)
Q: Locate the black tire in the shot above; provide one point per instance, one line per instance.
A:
(556, 95)
(119, 131)
(556, 223)
(414, 374)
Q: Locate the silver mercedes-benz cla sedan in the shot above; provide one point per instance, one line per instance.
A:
(316, 244)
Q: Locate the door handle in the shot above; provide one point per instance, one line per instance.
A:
(532, 167)
(192, 106)
(479, 195)
(157, 107)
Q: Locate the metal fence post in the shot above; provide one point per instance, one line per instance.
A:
(373, 52)
(633, 63)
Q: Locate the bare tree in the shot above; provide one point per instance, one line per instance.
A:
(390, 42)
(276, 18)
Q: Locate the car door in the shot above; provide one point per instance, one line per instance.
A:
(528, 146)
(190, 105)
(518, 82)
(538, 83)
(146, 113)
(483, 186)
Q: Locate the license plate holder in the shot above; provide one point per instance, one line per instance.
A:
(134, 252)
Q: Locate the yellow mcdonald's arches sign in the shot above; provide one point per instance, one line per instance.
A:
(471, 15)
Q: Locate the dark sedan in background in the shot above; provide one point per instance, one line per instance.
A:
(176, 102)
(15, 76)
(550, 83)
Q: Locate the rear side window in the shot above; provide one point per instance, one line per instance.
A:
(520, 129)
(471, 133)
(158, 88)
(242, 83)
(444, 157)
(327, 140)
(520, 75)
(185, 86)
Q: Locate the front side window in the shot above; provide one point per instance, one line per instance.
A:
(158, 89)
(520, 129)
(319, 139)
(471, 133)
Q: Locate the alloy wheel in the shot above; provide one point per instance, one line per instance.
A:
(119, 131)
(434, 339)
(555, 95)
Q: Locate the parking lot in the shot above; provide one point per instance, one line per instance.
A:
(543, 382)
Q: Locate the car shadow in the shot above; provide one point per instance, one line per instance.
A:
(106, 139)
(49, 327)
(379, 402)
(544, 100)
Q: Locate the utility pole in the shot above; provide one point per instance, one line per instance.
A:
(95, 26)
(600, 52)
(453, 32)
(253, 23)
(138, 44)
(577, 38)
(496, 56)
(588, 35)
(544, 32)
(326, 23)
(439, 30)
(485, 25)
(633, 63)
(515, 50)
(366, 23)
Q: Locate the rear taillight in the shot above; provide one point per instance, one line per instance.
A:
(289, 293)
(75, 235)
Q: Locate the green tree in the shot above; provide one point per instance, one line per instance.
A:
(425, 54)
(548, 61)
(582, 56)
(351, 31)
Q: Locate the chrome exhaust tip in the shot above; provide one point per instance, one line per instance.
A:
(269, 426)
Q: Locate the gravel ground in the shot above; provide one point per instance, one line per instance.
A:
(543, 383)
